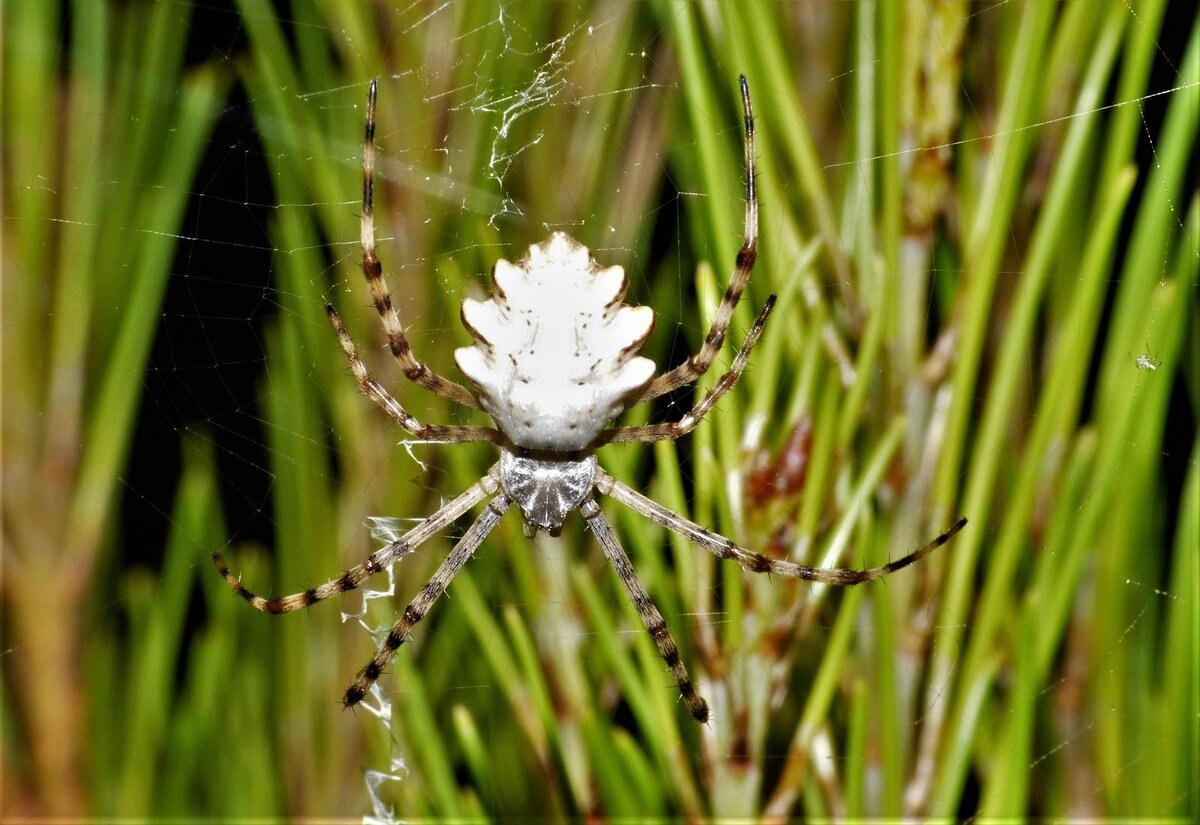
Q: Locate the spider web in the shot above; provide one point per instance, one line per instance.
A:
(211, 372)
(213, 389)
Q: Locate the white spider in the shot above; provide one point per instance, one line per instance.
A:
(554, 361)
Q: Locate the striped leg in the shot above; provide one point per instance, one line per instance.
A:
(698, 364)
(379, 560)
(690, 419)
(413, 369)
(756, 562)
(429, 594)
(374, 390)
(651, 617)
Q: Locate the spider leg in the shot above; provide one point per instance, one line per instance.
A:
(698, 364)
(649, 613)
(377, 562)
(689, 420)
(413, 369)
(429, 594)
(428, 432)
(756, 562)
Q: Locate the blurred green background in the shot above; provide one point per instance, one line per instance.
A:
(981, 220)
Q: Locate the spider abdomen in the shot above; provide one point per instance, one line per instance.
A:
(555, 353)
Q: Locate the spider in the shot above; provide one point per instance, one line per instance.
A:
(554, 361)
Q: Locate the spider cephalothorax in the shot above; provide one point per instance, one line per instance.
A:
(546, 488)
(554, 362)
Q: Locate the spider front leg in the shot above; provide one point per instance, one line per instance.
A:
(698, 364)
(413, 369)
(649, 613)
(379, 561)
(426, 432)
(429, 594)
(689, 420)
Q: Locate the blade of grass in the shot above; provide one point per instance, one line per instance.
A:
(986, 235)
(795, 768)
(63, 467)
(151, 686)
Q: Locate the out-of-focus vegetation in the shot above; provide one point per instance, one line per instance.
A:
(984, 239)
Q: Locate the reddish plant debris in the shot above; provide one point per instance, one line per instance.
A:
(784, 476)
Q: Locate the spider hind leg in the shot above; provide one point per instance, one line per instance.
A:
(413, 369)
(698, 364)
